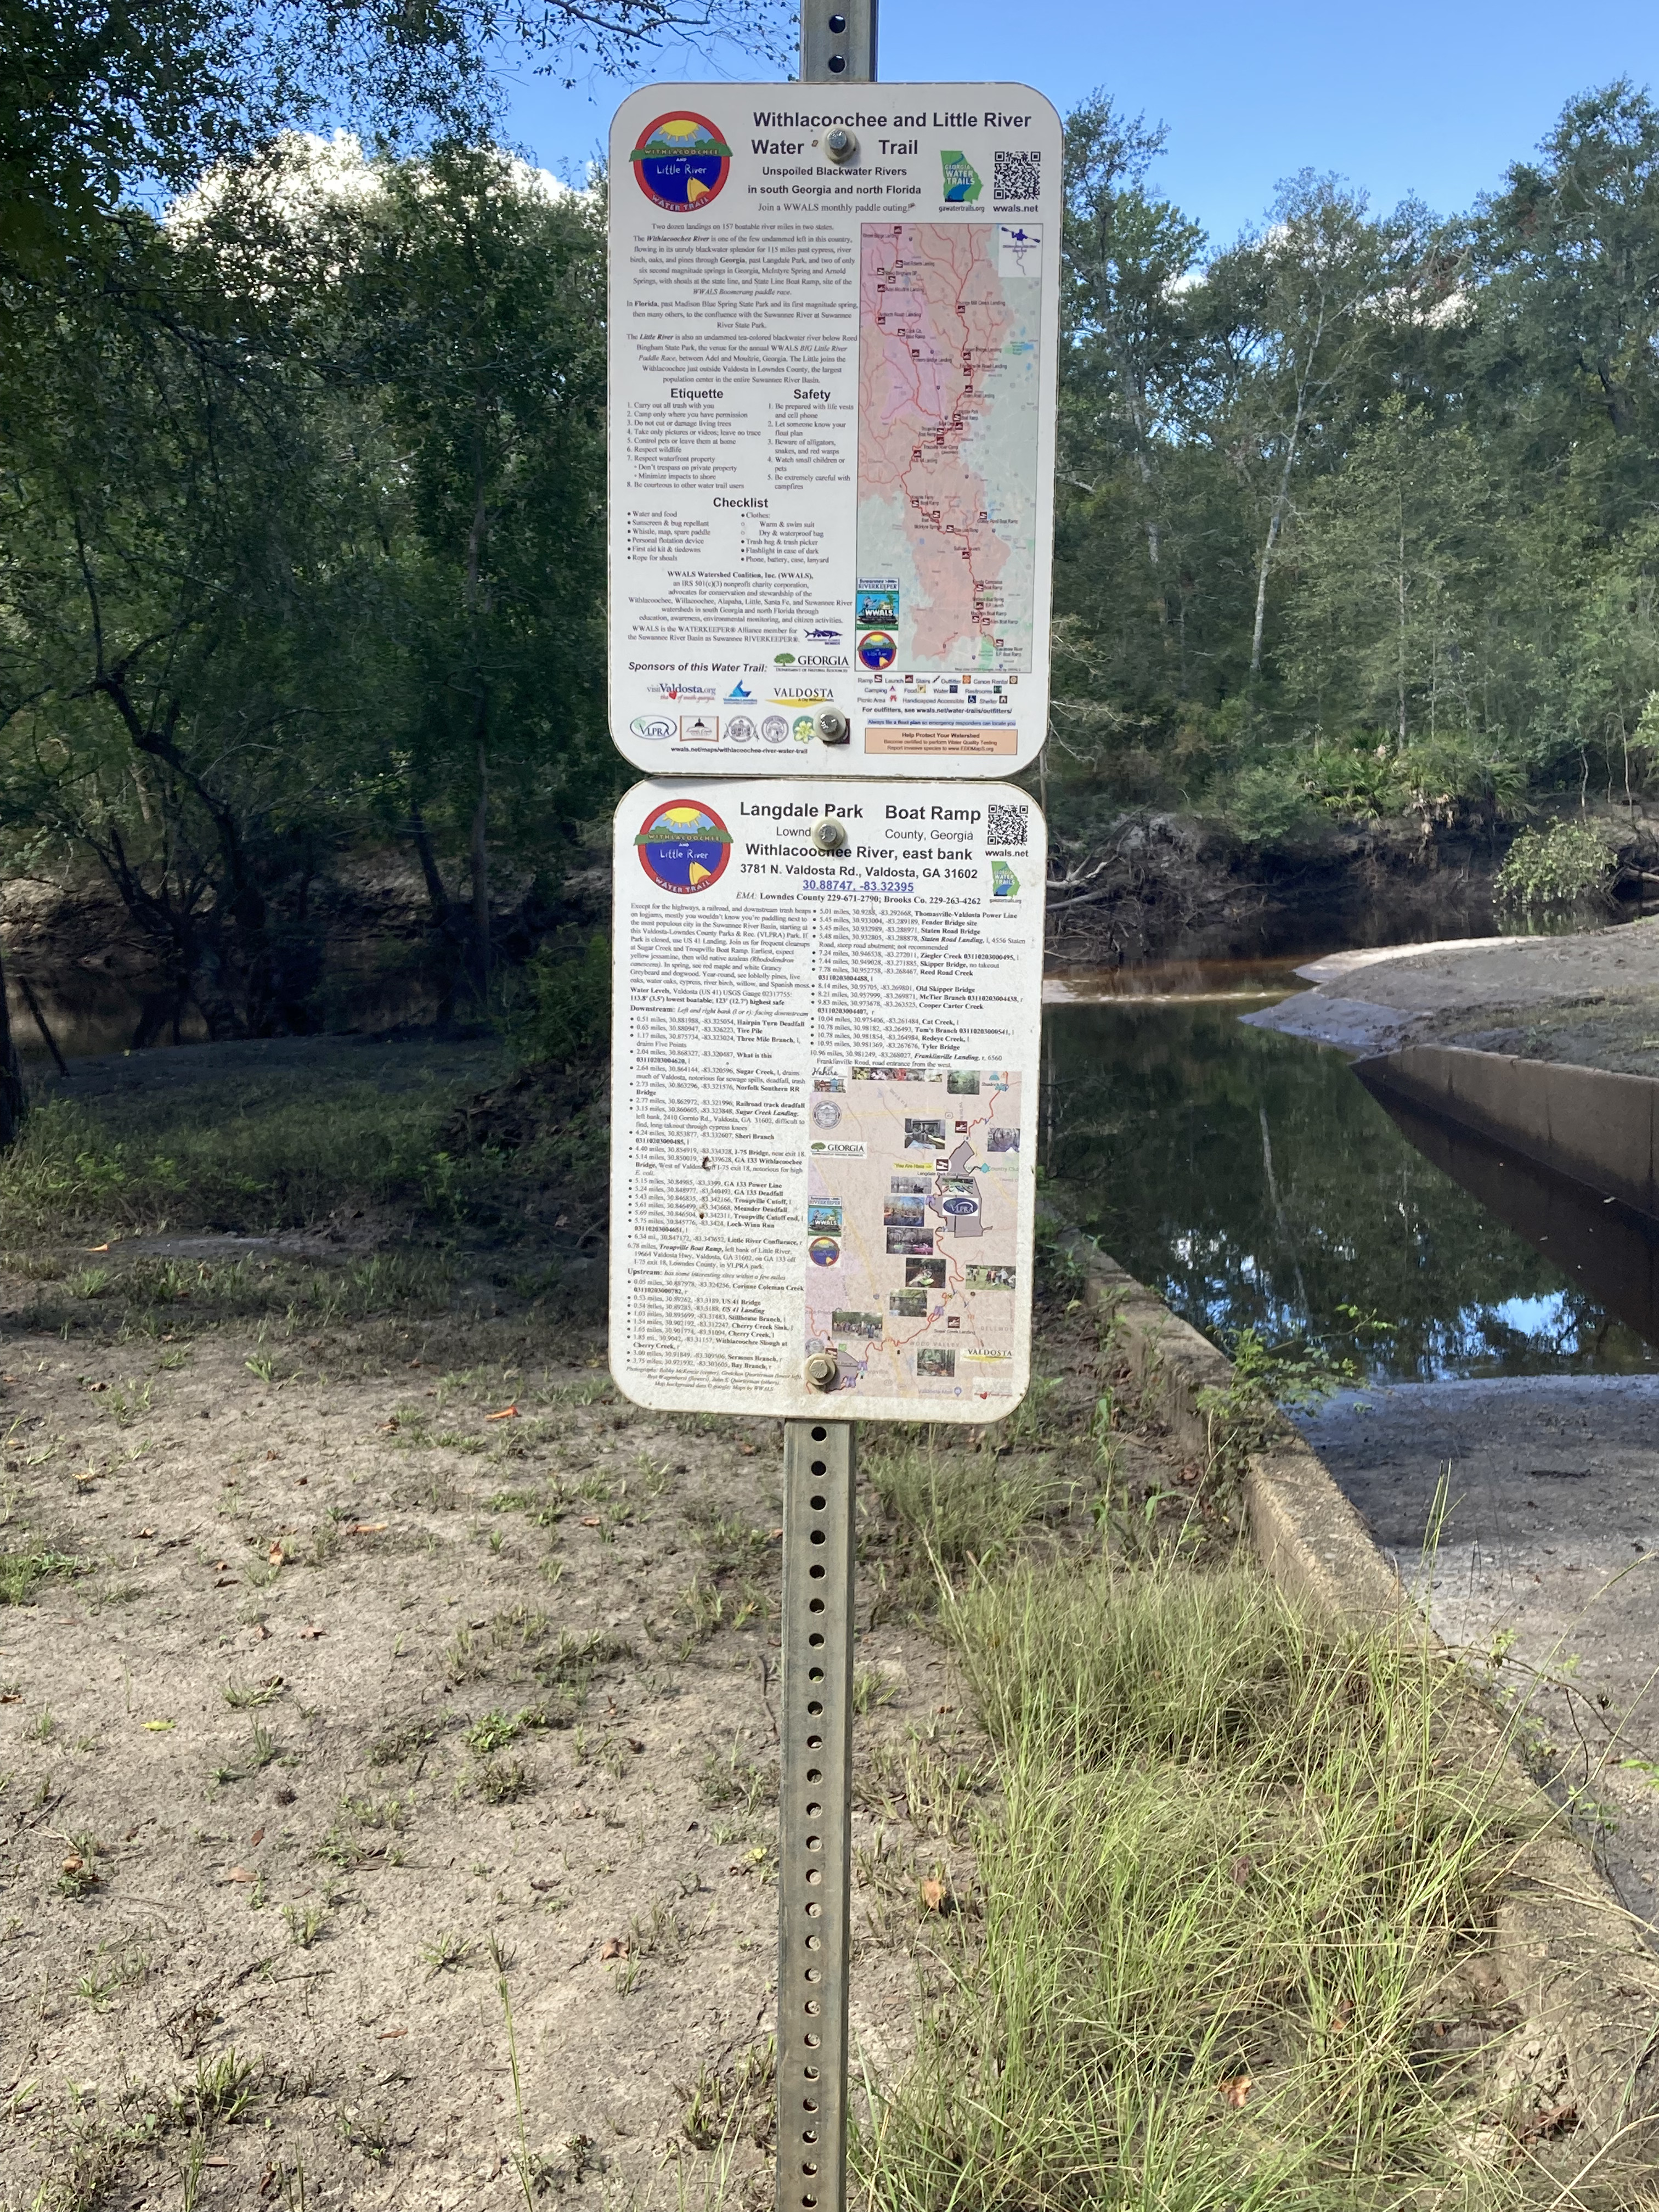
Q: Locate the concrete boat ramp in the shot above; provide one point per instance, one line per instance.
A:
(1524, 1511)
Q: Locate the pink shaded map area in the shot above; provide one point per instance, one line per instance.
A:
(933, 320)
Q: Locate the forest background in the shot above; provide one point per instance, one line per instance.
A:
(302, 533)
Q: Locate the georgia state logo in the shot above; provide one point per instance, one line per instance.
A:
(681, 161)
(684, 846)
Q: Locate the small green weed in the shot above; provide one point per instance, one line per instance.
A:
(306, 1922)
(240, 1696)
(493, 1731)
(500, 1780)
(446, 1951)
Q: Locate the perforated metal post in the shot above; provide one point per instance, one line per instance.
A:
(815, 1811)
(815, 1814)
(838, 41)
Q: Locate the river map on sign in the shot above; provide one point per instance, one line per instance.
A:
(948, 419)
(909, 1239)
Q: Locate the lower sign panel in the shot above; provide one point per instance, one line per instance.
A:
(825, 1088)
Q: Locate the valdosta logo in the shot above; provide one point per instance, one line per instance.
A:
(684, 846)
(681, 161)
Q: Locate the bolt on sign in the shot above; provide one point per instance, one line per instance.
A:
(834, 318)
(828, 1003)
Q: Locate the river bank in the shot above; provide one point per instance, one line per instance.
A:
(369, 941)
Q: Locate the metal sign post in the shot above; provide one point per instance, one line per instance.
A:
(833, 344)
(814, 1797)
(815, 1814)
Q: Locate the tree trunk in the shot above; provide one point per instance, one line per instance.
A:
(1274, 521)
(1400, 671)
(14, 1104)
(437, 897)
(1304, 384)
(481, 866)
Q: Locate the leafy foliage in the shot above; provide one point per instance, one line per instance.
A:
(95, 100)
(1355, 513)
(1568, 860)
(567, 1016)
(304, 502)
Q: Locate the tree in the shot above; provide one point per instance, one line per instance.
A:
(301, 544)
(1567, 261)
(1128, 350)
(99, 97)
(474, 305)
(1294, 310)
(186, 539)
(1396, 554)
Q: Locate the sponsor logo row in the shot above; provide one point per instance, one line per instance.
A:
(728, 729)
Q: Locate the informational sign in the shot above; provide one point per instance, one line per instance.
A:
(834, 317)
(825, 1064)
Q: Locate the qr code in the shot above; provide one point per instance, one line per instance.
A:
(1016, 176)
(1009, 826)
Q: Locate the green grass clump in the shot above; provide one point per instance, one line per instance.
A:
(1234, 1861)
(960, 1505)
(22, 1570)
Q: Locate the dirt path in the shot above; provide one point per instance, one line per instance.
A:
(387, 1710)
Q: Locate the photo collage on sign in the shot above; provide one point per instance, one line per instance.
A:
(911, 1227)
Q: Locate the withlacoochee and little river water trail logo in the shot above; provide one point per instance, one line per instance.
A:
(684, 846)
(681, 161)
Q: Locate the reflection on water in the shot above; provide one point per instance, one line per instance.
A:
(1605, 1248)
(1251, 1180)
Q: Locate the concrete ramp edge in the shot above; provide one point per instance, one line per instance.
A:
(1570, 1956)
(1599, 1128)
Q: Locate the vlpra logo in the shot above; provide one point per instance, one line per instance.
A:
(961, 177)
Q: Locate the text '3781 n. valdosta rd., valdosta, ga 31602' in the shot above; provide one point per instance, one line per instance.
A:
(834, 316)
(827, 1017)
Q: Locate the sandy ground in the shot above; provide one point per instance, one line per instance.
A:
(269, 1698)
(1593, 998)
(1548, 1552)
(400, 1660)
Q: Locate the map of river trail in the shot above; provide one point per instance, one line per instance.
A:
(911, 1231)
(949, 409)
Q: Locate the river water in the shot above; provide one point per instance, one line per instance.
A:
(1252, 1181)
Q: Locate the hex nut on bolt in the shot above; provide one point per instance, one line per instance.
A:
(823, 1370)
(834, 727)
(830, 836)
(840, 145)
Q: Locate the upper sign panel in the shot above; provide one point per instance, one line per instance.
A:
(833, 329)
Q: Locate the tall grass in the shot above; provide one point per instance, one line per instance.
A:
(1234, 1863)
(260, 1163)
(958, 1505)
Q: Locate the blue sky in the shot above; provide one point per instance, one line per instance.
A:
(1430, 99)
